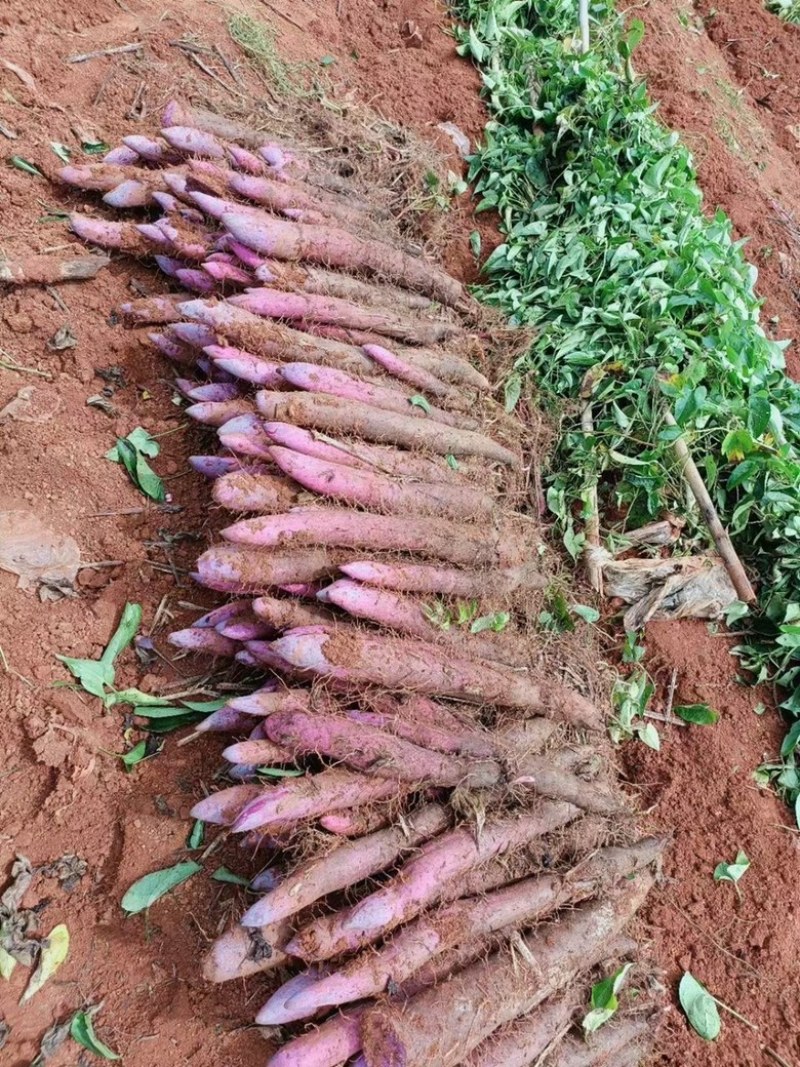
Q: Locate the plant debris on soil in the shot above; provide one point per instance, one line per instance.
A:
(62, 788)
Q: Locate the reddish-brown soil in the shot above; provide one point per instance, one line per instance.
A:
(61, 788)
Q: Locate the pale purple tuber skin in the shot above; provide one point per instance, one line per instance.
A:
(217, 466)
(328, 1045)
(221, 808)
(227, 273)
(243, 628)
(122, 155)
(380, 492)
(226, 720)
(216, 392)
(310, 797)
(217, 414)
(411, 375)
(267, 702)
(256, 753)
(246, 366)
(205, 641)
(221, 614)
(232, 569)
(243, 160)
(315, 307)
(426, 578)
(130, 193)
(416, 666)
(426, 1029)
(522, 904)
(194, 334)
(328, 380)
(246, 255)
(239, 953)
(191, 141)
(350, 863)
(450, 541)
(334, 247)
(422, 881)
(338, 415)
(149, 148)
(170, 348)
(196, 280)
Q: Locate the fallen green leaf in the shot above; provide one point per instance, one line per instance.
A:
(197, 834)
(732, 872)
(278, 772)
(152, 887)
(452, 462)
(496, 622)
(649, 735)
(586, 612)
(700, 1007)
(605, 1000)
(135, 755)
(7, 964)
(222, 874)
(55, 949)
(23, 164)
(81, 1029)
(699, 714)
(420, 402)
(141, 440)
(94, 148)
(61, 151)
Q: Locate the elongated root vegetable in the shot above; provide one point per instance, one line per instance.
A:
(431, 815)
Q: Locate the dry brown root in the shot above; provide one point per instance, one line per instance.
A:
(438, 1028)
(49, 270)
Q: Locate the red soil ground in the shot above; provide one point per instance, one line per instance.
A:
(61, 788)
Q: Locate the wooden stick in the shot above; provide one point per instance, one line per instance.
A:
(724, 545)
(134, 46)
(583, 18)
(33, 270)
(594, 570)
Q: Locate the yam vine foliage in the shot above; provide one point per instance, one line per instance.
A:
(608, 254)
(785, 9)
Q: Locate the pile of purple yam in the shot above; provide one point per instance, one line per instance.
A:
(440, 887)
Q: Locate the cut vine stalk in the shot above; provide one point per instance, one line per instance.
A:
(741, 582)
(594, 568)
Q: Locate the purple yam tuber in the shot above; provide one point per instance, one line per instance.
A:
(246, 366)
(423, 880)
(239, 953)
(450, 541)
(323, 411)
(381, 492)
(194, 142)
(222, 808)
(332, 247)
(242, 491)
(254, 571)
(328, 1045)
(217, 414)
(202, 640)
(442, 1025)
(447, 581)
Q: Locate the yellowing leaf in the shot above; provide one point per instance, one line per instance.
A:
(7, 964)
(53, 954)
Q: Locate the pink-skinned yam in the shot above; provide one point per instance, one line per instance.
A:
(222, 808)
(239, 953)
(225, 720)
(202, 640)
(257, 753)
(241, 491)
(217, 414)
(193, 334)
(332, 247)
(427, 734)
(193, 142)
(381, 492)
(438, 538)
(120, 235)
(216, 466)
(227, 274)
(311, 796)
(245, 435)
(222, 614)
(313, 307)
(243, 628)
(447, 581)
(195, 280)
(130, 193)
(284, 196)
(522, 1042)
(415, 376)
(417, 666)
(333, 382)
(444, 1024)
(302, 278)
(285, 614)
(152, 149)
(468, 920)
(213, 391)
(254, 571)
(408, 616)
(272, 340)
(122, 155)
(382, 458)
(423, 880)
(246, 366)
(336, 415)
(607, 1046)
(374, 751)
(330, 1044)
(263, 703)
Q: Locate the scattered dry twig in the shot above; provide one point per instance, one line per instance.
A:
(82, 57)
